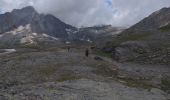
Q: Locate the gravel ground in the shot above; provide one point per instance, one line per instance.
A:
(59, 75)
(82, 89)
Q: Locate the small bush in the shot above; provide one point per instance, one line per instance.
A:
(104, 54)
(67, 77)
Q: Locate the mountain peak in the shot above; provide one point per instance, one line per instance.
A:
(153, 21)
(161, 11)
(39, 23)
(26, 9)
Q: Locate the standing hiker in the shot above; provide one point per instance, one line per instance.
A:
(87, 52)
(68, 49)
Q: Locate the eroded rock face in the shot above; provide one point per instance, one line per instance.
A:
(52, 26)
(24, 37)
(39, 23)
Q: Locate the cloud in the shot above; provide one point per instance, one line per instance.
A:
(91, 12)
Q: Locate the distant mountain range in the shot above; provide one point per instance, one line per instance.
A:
(27, 22)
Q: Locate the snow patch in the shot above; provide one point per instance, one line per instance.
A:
(82, 39)
(48, 36)
(88, 40)
(68, 30)
(10, 50)
(35, 34)
(54, 38)
(28, 39)
(1, 35)
(74, 32)
(16, 31)
(67, 42)
(45, 35)
(13, 32)
(20, 28)
(28, 27)
(167, 23)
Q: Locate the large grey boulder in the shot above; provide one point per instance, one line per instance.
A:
(130, 50)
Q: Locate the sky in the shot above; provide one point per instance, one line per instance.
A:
(91, 12)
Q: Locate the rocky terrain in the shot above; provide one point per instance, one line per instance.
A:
(146, 41)
(57, 74)
(42, 58)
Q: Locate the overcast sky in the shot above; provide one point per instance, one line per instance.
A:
(91, 12)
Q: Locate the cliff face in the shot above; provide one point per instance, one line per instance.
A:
(39, 23)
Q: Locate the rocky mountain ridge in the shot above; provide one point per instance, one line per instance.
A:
(147, 41)
(50, 25)
(39, 23)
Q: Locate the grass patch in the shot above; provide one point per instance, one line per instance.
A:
(22, 57)
(67, 77)
(104, 70)
(104, 54)
(165, 85)
(165, 28)
(3, 46)
(130, 37)
(135, 37)
(47, 71)
(136, 83)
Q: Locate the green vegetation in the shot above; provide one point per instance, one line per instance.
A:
(134, 37)
(2, 46)
(104, 54)
(165, 28)
(47, 71)
(67, 77)
(22, 57)
(136, 83)
(165, 84)
(130, 37)
(32, 46)
(104, 70)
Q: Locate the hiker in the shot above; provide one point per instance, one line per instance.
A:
(87, 52)
(68, 49)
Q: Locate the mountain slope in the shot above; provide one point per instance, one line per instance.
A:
(147, 41)
(23, 36)
(154, 21)
(94, 33)
(52, 26)
(39, 23)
